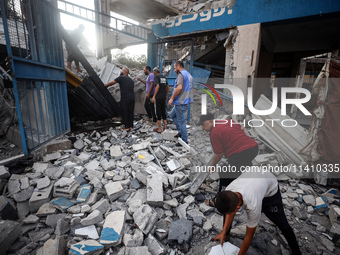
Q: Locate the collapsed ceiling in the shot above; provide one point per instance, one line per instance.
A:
(143, 10)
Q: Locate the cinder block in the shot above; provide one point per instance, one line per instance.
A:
(114, 190)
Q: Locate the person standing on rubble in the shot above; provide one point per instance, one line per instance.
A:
(256, 192)
(183, 95)
(161, 92)
(76, 36)
(150, 91)
(127, 94)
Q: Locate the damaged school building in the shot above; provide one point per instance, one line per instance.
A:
(80, 184)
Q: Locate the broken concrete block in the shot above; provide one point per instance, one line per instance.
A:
(182, 210)
(51, 220)
(31, 219)
(112, 233)
(56, 145)
(108, 165)
(52, 156)
(330, 193)
(4, 174)
(87, 232)
(142, 177)
(194, 213)
(54, 173)
(135, 184)
(39, 198)
(334, 214)
(335, 229)
(160, 153)
(144, 157)
(43, 182)
(174, 165)
(55, 246)
(309, 200)
(7, 211)
(173, 202)
(79, 144)
(10, 231)
(46, 209)
(180, 231)
(320, 204)
(61, 203)
(145, 218)
(155, 247)
(115, 151)
(169, 135)
(83, 158)
(169, 150)
(133, 240)
(85, 191)
(207, 226)
(62, 227)
(92, 219)
(205, 208)
(134, 250)
(154, 190)
(189, 199)
(40, 167)
(200, 178)
(93, 166)
(140, 146)
(162, 229)
(65, 187)
(86, 247)
(114, 190)
(24, 194)
(217, 222)
(102, 206)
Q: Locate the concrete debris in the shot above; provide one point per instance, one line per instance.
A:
(86, 248)
(87, 232)
(112, 194)
(93, 218)
(154, 246)
(133, 240)
(10, 230)
(145, 218)
(4, 174)
(180, 231)
(154, 195)
(55, 246)
(114, 190)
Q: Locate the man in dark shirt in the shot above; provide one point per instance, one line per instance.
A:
(161, 91)
(75, 35)
(127, 97)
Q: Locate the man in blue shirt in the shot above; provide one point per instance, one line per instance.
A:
(182, 96)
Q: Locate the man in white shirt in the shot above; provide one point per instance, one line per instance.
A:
(256, 192)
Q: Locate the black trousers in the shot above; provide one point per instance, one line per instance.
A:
(272, 207)
(150, 108)
(127, 107)
(161, 109)
(243, 158)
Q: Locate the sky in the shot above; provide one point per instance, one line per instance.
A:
(70, 23)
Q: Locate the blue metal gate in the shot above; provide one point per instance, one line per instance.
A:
(34, 46)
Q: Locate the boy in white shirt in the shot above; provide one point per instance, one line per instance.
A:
(255, 192)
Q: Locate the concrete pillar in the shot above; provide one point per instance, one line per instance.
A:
(152, 50)
(246, 55)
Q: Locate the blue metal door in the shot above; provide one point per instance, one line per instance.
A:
(34, 46)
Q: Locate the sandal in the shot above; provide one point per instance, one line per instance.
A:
(157, 130)
(211, 202)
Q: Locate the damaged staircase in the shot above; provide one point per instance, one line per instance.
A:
(88, 98)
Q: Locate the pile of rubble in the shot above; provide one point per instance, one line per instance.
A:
(119, 192)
